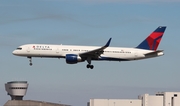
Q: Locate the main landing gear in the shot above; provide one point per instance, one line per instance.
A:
(30, 60)
(89, 63)
(90, 66)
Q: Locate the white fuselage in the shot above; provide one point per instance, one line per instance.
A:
(60, 51)
(74, 54)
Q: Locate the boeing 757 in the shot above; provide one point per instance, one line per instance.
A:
(75, 54)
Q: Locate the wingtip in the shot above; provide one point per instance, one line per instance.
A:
(108, 43)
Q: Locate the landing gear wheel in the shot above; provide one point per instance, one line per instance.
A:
(90, 66)
(89, 63)
(30, 64)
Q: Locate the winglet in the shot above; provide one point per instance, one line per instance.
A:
(108, 43)
(98, 51)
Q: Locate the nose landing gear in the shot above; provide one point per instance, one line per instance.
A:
(30, 60)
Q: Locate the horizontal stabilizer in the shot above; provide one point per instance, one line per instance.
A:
(153, 53)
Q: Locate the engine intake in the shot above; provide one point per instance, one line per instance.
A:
(73, 58)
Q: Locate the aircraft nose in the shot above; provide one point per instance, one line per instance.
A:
(14, 52)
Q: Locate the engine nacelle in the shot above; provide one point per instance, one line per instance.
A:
(73, 58)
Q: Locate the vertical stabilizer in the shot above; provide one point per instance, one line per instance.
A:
(153, 40)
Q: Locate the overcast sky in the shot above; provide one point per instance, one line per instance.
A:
(88, 22)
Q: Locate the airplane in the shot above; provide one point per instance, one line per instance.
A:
(75, 54)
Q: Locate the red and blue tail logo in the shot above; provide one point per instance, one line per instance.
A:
(153, 40)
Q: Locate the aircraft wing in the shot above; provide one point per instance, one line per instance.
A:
(96, 52)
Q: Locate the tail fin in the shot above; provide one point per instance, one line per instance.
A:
(153, 40)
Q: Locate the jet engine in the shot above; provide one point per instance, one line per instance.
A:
(73, 58)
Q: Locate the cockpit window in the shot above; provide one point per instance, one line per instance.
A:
(19, 48)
